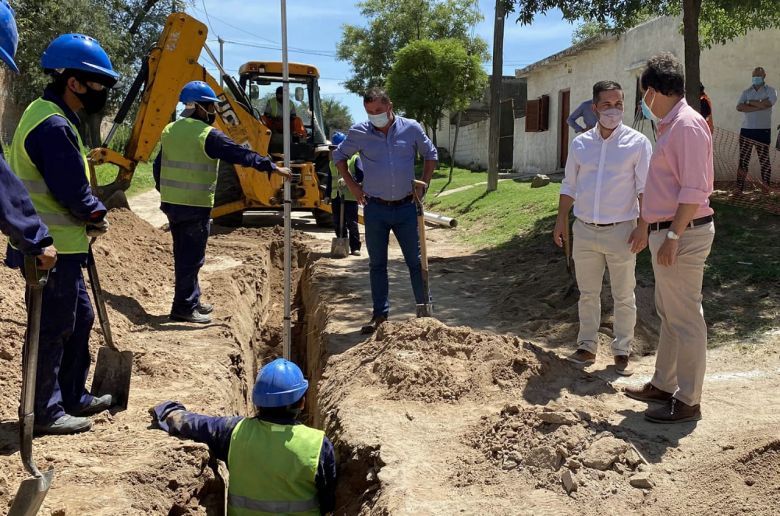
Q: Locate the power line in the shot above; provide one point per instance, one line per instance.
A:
(297, 50)
(241, 29)
(207, 15)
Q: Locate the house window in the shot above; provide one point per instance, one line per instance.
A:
(537, 115)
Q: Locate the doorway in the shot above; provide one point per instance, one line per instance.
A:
(563, 140)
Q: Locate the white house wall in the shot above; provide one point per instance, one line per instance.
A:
(725, 73)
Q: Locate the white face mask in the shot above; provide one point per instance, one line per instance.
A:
(380, 120)
(610, 118)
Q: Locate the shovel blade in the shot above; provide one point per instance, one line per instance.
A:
(112, 375)
(30, 495)
(339, 247)
(425, 310)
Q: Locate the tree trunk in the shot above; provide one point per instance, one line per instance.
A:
(454, 145)
(691, 12)
(142, 12)
(495, 96)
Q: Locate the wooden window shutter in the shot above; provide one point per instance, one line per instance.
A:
(544, 113)
(537, 114)
(532, 116)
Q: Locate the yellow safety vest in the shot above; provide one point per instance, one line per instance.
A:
(188, 176)
(69, 233)
(272, 469)
(276, 108)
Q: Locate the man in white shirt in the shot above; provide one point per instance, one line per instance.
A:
(756, 103)
(605, 177)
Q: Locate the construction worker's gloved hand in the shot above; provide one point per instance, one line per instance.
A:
(96, 229)
(161, 412)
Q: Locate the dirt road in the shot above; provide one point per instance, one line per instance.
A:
(476, 414)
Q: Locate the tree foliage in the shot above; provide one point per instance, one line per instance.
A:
(108, 21)
(430, 77)
(392, 24)
(336, 115)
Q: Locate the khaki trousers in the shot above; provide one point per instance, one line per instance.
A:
(594, 248)
(681, 359)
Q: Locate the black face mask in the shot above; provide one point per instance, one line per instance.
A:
(94, 101)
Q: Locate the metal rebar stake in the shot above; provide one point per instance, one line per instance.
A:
(287, 330)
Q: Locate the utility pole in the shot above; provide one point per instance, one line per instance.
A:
(495, 96)
(221, 58)
(174, 6)
(287, 328)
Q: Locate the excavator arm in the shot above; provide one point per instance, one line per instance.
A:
(169, 65)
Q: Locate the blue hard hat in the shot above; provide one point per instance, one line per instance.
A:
(337, 138)
(78, 52)
(9, 37)
(279, 384)
(197, 91)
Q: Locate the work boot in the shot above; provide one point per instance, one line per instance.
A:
(63, 425)
(98, 404)
(373, 324)
(675, 411)
(582, 357)
(623, 365)
(193, 317)
(648, 392)
(204, 308)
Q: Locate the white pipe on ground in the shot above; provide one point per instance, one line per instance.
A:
(440, 220)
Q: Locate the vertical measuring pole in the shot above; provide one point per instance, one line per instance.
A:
(221, 59)
(287, 330)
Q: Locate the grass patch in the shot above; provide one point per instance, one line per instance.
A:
(742, 275)
(495, 219)
(143, 180)
(460, 177)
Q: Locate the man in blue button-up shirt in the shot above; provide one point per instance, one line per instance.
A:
(387, 145)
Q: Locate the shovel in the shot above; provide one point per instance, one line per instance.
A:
(572, 289)
(339, 246)
(425, 309)
(32, 491)
(113, 368)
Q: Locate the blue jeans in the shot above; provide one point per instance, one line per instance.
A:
(189, 254)
(402, 220)
(63, 347)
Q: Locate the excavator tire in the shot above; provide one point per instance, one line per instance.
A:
(228, 190)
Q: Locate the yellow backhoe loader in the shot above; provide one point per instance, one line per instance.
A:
(173, 62)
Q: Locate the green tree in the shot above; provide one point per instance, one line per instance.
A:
(590, 29)
(392, 24)
(336, 115)
(126, 29)
(431, 77)
(705, 22)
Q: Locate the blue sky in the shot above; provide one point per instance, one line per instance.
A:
(316, 26)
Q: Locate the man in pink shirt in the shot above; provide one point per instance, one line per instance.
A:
(677, 211)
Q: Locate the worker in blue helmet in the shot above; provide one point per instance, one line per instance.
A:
(344, 198)
(18, 218)
(47, 154)
(276, 464)
(185, 174)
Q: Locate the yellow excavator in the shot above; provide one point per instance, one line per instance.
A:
(172, 63)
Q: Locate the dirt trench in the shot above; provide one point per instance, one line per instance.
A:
(123, 466)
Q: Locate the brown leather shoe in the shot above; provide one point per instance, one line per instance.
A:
(675, 411)
(582, 357)
(373, 325)
(623, 365)
(648, 392)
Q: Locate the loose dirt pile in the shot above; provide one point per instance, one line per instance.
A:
(458, 414)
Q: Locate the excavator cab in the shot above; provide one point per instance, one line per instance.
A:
(261, 82)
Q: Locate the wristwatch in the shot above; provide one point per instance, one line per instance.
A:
(671, 235)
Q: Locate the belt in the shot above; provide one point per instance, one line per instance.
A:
(658, 226)
(399, 202)
(601, 225)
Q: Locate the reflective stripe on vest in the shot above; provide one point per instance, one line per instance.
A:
(188, 176)
(69, 234)
(242, 502)
(335, 175)
(272, 468)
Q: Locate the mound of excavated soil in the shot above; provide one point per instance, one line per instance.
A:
(484, 412)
